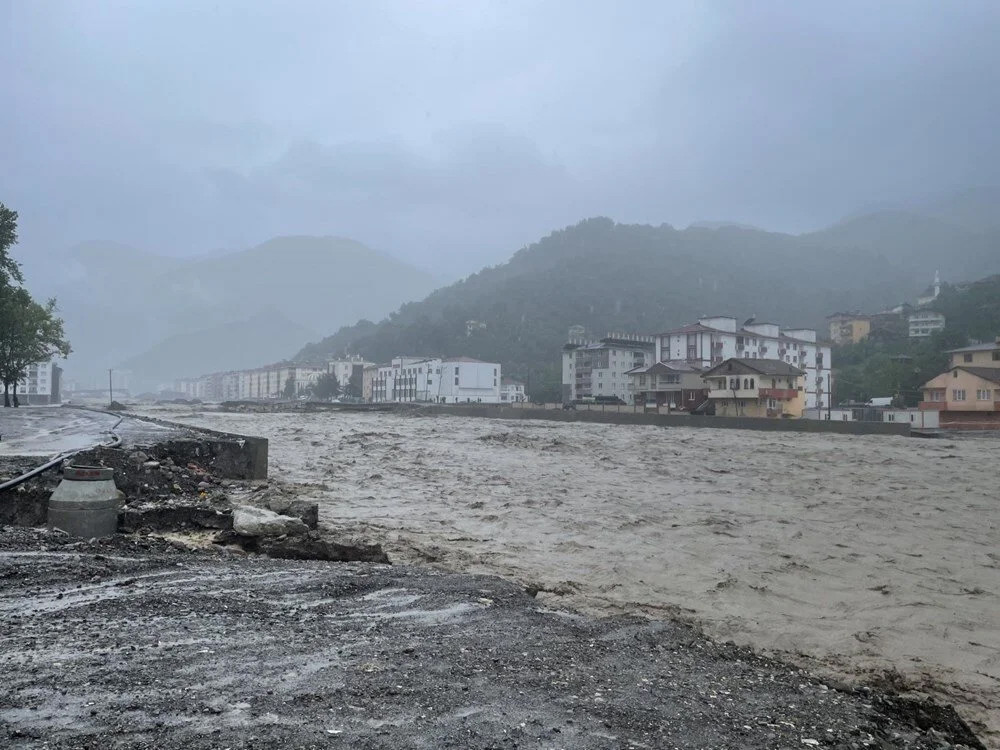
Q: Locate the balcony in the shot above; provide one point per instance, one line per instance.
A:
(781, 394)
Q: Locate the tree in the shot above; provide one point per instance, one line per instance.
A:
(289, 391)
(326, 386)
(29, 333)
(10, 269)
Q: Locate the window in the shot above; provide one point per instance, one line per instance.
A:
(967, 357)
(996, 356)
(456, 371)
(958, 394)
(751, 383)
(642, 380)
(456, 381)
(984, 395)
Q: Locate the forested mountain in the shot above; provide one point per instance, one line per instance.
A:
(638, 278)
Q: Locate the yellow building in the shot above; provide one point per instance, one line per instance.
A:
(966, 396)
(756, 388)
(849, 328)
(977, 355)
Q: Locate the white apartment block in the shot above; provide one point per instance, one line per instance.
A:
(455, 380)
(597, 369)
(713, 340)
(40, 384)
(925, 322)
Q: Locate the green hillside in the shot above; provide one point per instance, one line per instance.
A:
(898, 366)
(615, 277)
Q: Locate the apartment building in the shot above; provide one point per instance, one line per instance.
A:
(40, 385)
(592, 369)
(453, 380)
(849, 328)
(923, 323)
(713, 340)
(756, 388)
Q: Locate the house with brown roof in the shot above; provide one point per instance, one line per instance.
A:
(756, 388)
(966, 397)
(674, 384)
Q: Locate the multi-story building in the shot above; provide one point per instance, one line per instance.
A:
(849, 328)
(756, 388)
(965, 397)
(923, 323)
(349, 373)
(592, 369)
(368, 376)
(674, 384)
(713, 340)
(438, 380)
(977, 355)
(40, 384)
(511, 391)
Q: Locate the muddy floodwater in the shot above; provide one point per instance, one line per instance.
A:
(862, 557)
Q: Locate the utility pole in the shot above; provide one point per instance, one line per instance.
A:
(111, 393)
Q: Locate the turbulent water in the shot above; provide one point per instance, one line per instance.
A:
(867, 556)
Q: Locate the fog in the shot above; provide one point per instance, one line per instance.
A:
(448, 134)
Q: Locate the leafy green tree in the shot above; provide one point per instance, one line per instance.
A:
(10, 269)
(30, 333)
(289, 391)
(326, 386)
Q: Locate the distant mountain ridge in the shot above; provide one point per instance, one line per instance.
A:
(607, 276)
(128, 309)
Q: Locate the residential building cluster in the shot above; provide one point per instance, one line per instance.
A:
(901, 320)
(280, 380)
(445, 380)
(714, 365)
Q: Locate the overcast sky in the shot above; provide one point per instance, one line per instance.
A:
(451, 133)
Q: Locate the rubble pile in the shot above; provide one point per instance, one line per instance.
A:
(165, 491)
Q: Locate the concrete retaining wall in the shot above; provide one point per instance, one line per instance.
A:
(676, 420)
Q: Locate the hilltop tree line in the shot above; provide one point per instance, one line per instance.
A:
(30, 331)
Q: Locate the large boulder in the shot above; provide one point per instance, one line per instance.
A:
(260, 522)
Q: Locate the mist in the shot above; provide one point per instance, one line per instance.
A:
(448, 135)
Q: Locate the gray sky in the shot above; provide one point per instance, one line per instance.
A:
(451, 133)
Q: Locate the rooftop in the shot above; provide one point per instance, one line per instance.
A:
(987, 347)
(761, 366)
(986, 373)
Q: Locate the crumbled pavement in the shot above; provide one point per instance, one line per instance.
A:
(136, 642)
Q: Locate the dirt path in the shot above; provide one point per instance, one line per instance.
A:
(861, 556)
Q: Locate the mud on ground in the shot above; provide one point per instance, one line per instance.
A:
(132, 642)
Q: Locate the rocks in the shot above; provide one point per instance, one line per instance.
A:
(305, 511)
(261, 522)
